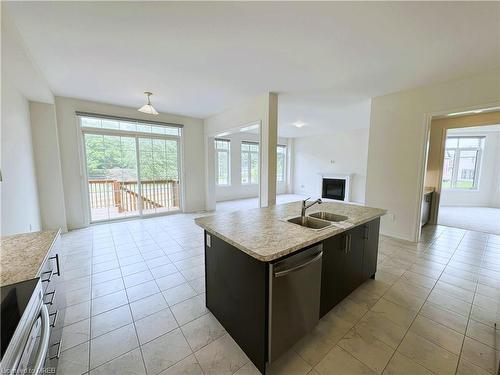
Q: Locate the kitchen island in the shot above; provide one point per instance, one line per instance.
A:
(269, 281)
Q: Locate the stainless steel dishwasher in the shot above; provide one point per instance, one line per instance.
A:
(294, 297)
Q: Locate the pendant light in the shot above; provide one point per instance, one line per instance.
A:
(148, 108)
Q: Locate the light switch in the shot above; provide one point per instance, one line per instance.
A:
(209, 240)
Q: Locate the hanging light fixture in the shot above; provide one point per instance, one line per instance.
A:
(148, 108)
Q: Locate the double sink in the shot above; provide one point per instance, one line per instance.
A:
(317, 220)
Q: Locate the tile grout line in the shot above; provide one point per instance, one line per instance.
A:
(91, 302)
(106, 311)
(91, 316)
(418, 312)
(130, 309)
(420, 309)
(90, 319)
(168, 307)
(179, 326)
(409, 326)
(472, 307)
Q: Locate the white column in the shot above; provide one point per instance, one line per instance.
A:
(269, 141)
(210, 199)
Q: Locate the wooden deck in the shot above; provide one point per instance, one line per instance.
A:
(114, 199)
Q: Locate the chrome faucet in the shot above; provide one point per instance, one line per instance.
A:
(305, 206)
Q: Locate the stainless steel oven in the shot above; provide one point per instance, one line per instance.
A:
(25, 327)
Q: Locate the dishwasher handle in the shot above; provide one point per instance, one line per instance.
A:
(297, 267)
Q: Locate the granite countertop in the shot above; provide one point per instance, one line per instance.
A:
(264, 234)
(22, 255)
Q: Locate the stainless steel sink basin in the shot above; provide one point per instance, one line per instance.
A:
(309, 222)
(328, 216)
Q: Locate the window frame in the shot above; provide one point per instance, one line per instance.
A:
(249, 153)
(456, 162)
(284, 174)
(226, 151)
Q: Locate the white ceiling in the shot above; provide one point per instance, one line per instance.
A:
(325, 59)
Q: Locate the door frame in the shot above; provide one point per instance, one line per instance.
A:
(427, 120)
(136, 135)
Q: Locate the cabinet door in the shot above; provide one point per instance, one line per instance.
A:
(354, 258)
(332, 273)
(371, 248)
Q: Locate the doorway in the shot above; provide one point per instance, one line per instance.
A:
(132, 168)
(462, 180)
(471, 178)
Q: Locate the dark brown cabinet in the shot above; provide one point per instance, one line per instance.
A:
(332, 272)
(354, 259)
(349, 259)
(371, 248)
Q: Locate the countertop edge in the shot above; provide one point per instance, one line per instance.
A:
(288, 251)
(46, 257)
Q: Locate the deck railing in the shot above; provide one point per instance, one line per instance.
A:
(124, 195)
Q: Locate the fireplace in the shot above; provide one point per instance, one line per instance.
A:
(334, 188)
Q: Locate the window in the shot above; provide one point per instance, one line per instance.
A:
(223, 164)
(462, 162)
(249, 163)
(128, 125)
(281, 164)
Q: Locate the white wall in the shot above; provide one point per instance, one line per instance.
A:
(21, 82)
(314, 155)
(19, 196)
(72, 169)
(264, 110)
(396, 157)
(48, 165)
(236, 190)
(486, 194)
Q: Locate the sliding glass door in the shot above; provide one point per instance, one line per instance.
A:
(129, 172)
(159, 171)
(112, 176)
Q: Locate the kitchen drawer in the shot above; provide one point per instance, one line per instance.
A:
(54, 350)
(50, 274)
(50, 270)
(55, 340)
(51, 297)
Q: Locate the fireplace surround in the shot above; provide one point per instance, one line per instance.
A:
(335, 186)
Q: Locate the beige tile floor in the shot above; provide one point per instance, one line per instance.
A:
(135, 305)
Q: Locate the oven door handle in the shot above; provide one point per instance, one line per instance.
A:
(44, 340)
